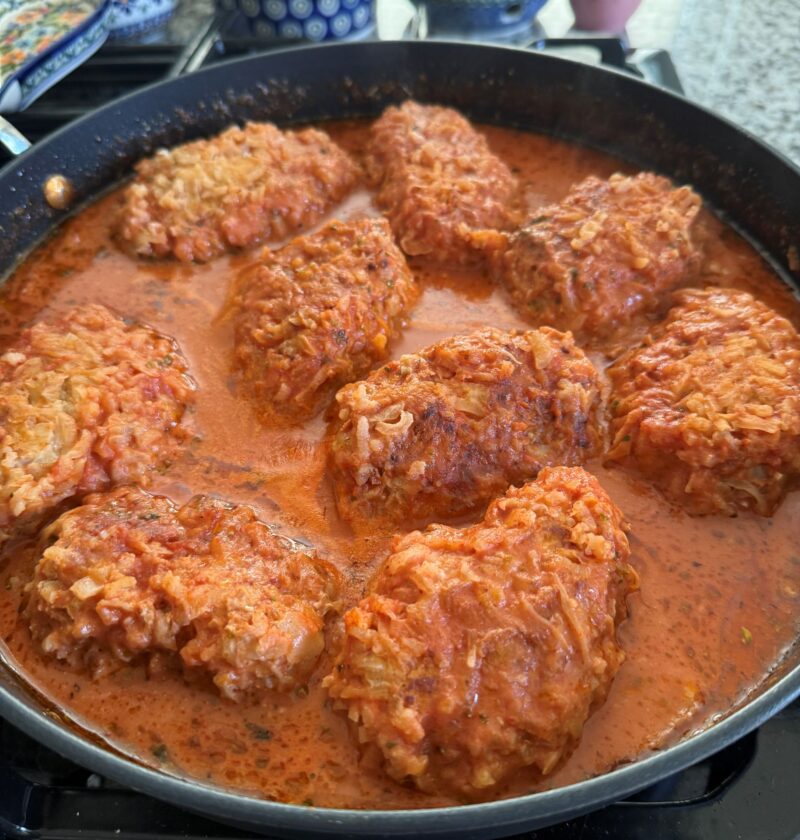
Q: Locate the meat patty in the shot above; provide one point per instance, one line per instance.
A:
(241, 187)
(611, 250)
(708, 407)
(131, 575)
(481, 651)
(440, 432)
(87, 401)
(437, 181)
(319, 313)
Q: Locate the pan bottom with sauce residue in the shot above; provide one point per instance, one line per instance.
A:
(719, 601)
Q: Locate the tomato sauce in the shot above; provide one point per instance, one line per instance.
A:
(719, 602)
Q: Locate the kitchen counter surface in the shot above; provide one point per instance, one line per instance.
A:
(738, 57)
(741, 58)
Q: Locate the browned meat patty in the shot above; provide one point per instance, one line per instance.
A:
(440, 432)
(131, 575)
(708, 407)
(241, 187)
(481, 651)
(87, 401)
(437, 181)
(319, 313)
(611, 250)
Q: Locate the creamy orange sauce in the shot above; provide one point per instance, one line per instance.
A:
(719, 599)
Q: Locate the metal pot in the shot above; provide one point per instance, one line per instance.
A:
(755, 189)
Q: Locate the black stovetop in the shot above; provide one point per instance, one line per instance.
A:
(748, 790)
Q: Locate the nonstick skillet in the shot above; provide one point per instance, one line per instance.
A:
(753, 187)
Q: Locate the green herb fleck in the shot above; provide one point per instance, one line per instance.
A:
(747, 636)
(160, 752)
(301, 691)
(308, 802)
(483, 718)
(626, 438)
(574, 273)
(149, 517)
(259, 732)
(390, 745)
(166, 361)
(539, 219)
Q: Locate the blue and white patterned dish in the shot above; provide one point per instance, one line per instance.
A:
(490, 18)
(41, 41)
(129, 17)
(307, 20)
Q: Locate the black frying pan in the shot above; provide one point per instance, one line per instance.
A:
(756, 189)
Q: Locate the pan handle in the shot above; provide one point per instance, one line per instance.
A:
(13, 139)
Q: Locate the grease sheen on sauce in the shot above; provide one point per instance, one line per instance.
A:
(702, 580)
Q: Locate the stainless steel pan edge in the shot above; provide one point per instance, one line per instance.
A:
(756, 188)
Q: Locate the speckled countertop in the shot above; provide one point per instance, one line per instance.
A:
(742, 58)
(738, 57)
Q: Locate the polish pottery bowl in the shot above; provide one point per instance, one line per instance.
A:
(306, 20)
